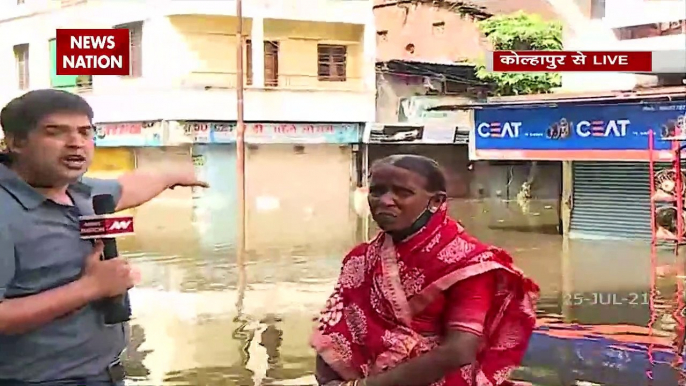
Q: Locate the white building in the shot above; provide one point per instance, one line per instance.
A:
(307, 63)
(622, 25)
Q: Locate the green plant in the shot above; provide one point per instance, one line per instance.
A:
(521, 31)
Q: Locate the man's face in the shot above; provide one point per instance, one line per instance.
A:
(59, 150)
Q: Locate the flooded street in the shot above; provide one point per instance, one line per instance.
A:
(596, 322)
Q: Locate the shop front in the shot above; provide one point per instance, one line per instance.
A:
(604, 153)
(116, 145)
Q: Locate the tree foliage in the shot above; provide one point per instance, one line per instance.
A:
(521, 31)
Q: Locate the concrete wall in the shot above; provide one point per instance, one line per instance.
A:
(457, 39)
(209, 45)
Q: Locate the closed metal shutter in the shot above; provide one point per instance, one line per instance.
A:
(164, 225)
(111, 162)
(611, 200)
(299, 195)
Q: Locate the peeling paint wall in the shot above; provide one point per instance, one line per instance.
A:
(404, 98)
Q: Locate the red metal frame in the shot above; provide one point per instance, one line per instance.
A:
(678, 239)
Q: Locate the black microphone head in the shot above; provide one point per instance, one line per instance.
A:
(103, 204)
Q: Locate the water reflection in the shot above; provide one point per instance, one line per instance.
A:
(595, 325)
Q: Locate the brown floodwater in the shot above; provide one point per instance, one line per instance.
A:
(609, 313)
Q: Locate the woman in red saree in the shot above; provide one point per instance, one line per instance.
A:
(423, 303)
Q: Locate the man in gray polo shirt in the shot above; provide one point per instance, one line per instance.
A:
(50, 331)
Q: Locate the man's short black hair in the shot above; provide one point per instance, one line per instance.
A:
(23, 113)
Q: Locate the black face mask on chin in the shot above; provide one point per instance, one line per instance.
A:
(421, 221)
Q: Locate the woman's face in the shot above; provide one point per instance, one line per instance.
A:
(397, 197)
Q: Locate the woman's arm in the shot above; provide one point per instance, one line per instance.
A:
(324, 373)
(468, 304)
(458, 349)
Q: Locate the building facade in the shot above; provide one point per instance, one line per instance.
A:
(418, 55)
(618, 25)
(309, 76)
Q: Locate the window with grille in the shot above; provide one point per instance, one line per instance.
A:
(136, 47)
(21, 56)
(248, 62)
(332, 60)
(271, 63)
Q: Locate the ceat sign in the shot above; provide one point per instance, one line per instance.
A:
(499, 129)
(598, 128)
(93, 52)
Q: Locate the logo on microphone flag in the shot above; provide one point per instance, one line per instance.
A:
(109, 226)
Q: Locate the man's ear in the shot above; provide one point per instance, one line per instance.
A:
(13, 144)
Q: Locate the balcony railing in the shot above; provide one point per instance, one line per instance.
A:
(228, 80)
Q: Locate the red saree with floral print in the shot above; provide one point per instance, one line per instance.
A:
(368, 324)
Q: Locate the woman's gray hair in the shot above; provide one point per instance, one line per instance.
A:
(424, 166)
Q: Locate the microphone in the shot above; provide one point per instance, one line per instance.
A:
(106, 226)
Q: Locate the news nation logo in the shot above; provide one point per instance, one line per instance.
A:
(93, 227)
(93, 52)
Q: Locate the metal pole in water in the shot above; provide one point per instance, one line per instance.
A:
(240, 159)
